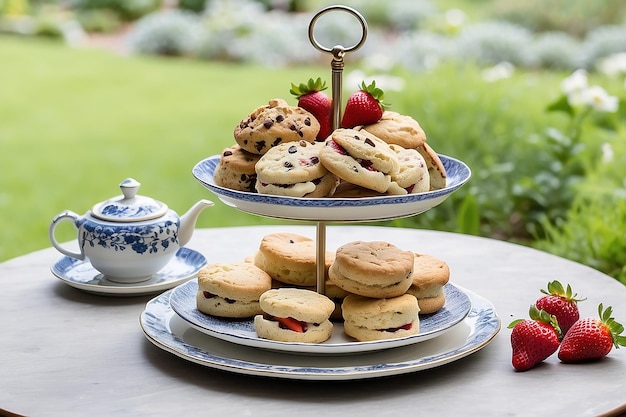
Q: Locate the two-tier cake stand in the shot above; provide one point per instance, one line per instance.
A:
(468, 319)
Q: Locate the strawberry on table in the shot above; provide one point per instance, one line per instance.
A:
(533, 340)
(311, 99)
(592, 338)
(364, 106)
(562, 303)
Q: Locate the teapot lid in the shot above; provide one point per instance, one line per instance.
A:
(129, 207)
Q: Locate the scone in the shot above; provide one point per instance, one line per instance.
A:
(294, 315)
(429, 277)
(337, 294)
(290, 258)
(398, 129)
(413, 176)
(368, 319)
(436, 170)
(231, 289)
(270, 125)
(349, 190)
(294, 169)
(360, 158)
(235, 170)
(372, 269)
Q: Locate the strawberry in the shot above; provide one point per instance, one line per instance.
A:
(311, 99)
(592, 338)
(364, 106)
(533, 340)
(291, 324)
(561, 303)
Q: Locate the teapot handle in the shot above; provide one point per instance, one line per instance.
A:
(66, 215)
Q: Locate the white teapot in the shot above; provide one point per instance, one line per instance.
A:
(130, 237)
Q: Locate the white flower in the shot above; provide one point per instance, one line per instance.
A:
(574, 86)
(607, 153)
(597, 98)
(455, 18)
(498, 72)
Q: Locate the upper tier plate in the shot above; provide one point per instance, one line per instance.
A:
(333, 209)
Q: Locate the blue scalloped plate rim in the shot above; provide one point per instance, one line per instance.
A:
(166, 330)
(183, 302)
(333, 209)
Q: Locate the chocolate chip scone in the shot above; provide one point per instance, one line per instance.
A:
(273, 124)
(235, 170)
(413, 176)
(360, 158)
(436, 170)
(294, 169)
(398, 129)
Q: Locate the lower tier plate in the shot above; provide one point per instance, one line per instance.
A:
(183, 302)
(165, 329)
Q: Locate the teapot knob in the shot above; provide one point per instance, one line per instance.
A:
(129, 188)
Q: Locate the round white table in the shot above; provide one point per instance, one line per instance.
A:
(66, 352)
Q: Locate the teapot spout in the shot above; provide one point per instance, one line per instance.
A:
(188, 221)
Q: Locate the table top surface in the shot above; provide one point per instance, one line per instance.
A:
(67, 352)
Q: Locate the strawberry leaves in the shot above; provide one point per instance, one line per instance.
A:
(364, 106)
(562, 303)
(592, 338)
(312, 99)
(533, 340)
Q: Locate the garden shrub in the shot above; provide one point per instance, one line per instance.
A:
(242, 31)
(404, 15)
(169, 32)
(420, 51)
(126, 9)
(593, 233)
(196, 6)
(482, 124)
(576, 17)
(602, 42)
(99, 20)
(489, 43)
(407, 15)
(556, 51)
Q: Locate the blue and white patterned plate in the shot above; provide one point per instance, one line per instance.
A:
(183, 302)
(168, 331)
(80, 274)
(333, 209)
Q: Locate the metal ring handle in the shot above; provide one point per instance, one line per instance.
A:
(337, 48)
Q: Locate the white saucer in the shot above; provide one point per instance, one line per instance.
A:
(168, 331)
(183, 302)
(80, 274)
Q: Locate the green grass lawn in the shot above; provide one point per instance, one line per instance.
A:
(75, 123)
